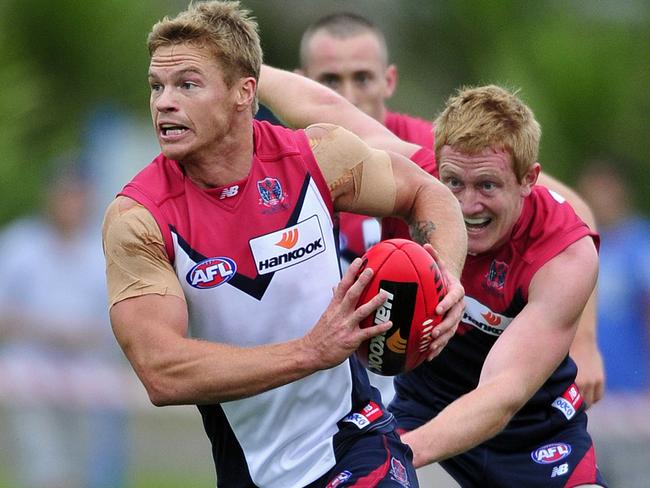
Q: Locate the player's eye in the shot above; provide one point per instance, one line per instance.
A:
(453, 183)
(362, 78)
(330, 81)
(488, 186)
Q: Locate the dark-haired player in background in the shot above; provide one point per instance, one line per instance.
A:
(347, 53)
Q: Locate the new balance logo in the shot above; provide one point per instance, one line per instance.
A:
(231, 191)
(289, 239)
(560, 470)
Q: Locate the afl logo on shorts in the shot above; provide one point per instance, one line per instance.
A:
(551, 453)
(211, 272)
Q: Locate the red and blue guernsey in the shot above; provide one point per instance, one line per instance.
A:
(257, 261)
(496, 286)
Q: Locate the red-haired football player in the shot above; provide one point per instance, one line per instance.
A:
(499, 406)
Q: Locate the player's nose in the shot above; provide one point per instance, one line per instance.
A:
(348, 92)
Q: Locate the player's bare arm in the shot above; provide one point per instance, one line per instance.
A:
(373, 182)
(150, 321)
(584, 349)
(521, 360)
(299, 102)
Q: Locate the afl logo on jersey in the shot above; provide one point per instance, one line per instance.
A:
(211, 272)
(551, 453)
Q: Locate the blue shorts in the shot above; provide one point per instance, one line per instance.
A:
(564, 459)
(374, 460)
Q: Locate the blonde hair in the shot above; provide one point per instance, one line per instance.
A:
(226, 29)
(477, 118)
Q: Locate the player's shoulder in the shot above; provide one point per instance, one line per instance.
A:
(335, 140)
(127, 221)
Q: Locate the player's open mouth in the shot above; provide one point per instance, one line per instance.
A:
(171, 130)
(477, 223)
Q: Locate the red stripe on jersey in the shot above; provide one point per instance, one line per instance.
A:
(585, 472)
(373, 478)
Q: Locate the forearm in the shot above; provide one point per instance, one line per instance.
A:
(464, 424)
(586, 331)
(175, 369)
(300, 102)
(200, 372)
(436, 218)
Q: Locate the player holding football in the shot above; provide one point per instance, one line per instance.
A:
(499, 406)
(348, 53)
(223, 275)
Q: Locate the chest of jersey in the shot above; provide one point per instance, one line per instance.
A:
(244, 267)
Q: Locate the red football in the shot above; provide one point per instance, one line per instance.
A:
(415, 286)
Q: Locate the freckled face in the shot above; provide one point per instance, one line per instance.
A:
(490, 196)
(191, 105)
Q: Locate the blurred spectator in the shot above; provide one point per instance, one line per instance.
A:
(59, 364)
(624, 279)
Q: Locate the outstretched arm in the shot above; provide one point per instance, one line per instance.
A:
(299, 101)
(522, 359)
(584, 349)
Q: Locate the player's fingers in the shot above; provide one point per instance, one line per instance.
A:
(454, 296)
(430, 249)
(354, 292)
(599, 391)
(370, 332)
(587, 393)
(370, 306)
(350, 276)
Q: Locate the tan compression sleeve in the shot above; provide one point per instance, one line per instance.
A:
(136, 261)
(351, 166)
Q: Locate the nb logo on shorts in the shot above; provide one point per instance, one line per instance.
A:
(560, 470)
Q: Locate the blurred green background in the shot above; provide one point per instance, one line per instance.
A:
(582, 65)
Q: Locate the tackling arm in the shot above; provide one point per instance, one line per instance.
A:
(299, 102)
(584, 349)
(519, 363)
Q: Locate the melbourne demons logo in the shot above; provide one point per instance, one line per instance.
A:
(211, 273)
(270, 190)
(496, 276)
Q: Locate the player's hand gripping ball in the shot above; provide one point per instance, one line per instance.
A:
(415, 286)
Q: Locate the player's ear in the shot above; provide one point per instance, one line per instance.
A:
(246, 93)
(529, 179)
(391, 80)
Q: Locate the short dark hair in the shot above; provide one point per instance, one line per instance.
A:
(341, 25)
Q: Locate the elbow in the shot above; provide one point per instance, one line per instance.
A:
(160, 389)
(158, 392)
(509, 409)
